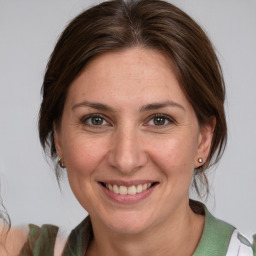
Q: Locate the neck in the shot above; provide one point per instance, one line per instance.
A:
(164, 238)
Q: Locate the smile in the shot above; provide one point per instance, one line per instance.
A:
(128, 190)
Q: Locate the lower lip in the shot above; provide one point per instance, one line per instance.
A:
(128, 198)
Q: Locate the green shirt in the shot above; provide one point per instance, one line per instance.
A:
(214, 241)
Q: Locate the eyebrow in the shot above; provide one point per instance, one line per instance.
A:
(148, 107)
(95, 105)
(158, 105)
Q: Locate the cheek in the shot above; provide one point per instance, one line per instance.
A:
(82, 155)
(175, 155)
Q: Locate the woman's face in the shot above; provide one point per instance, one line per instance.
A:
(130, 141)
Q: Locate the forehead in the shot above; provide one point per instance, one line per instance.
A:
(131, 63)
(135, 74)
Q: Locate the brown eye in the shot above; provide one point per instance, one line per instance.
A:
(159, 120)
(95, 120)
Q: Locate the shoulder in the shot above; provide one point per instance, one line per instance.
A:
(239, 245)
(25, 240)
(37, 238)
(221, 238)
(12, 240)
(60, 242)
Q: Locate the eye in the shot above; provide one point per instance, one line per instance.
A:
(160, 120)
(94, 120)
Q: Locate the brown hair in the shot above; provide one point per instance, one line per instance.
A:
(155, 24)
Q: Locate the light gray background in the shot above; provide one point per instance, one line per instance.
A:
(28, 32)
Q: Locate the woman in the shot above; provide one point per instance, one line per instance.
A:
(133, 109)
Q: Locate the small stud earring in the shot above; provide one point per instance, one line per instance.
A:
(200, 160)
(60, 162)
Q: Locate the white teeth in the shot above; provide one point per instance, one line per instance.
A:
(145, 186)
(123, 190)
(116, 189)
(139, 188)
(132, 190)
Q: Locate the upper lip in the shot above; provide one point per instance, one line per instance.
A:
(127, 183)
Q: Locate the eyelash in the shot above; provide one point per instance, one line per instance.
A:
(165, 117)
(85, 119)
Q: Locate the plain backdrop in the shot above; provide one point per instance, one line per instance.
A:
(28, 32)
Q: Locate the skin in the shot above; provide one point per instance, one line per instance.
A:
(128, 144)
(12, 241)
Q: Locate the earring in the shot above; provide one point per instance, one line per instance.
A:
(61, 163)
(200, 160)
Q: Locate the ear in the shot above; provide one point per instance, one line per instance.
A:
(204, 142)
(57, 140)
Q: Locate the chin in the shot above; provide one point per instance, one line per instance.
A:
(128, 223)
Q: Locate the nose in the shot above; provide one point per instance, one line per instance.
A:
(127, 153)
